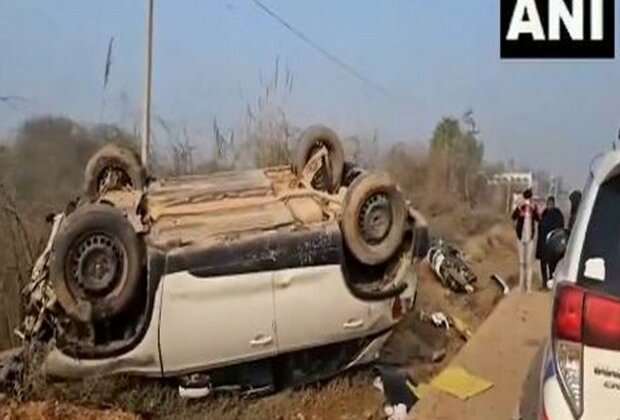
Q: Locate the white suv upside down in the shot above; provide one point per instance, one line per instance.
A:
(192, 274)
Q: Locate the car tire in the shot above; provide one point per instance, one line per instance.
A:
(309, 140)
(124, 161)
(96, 263)
(374, 218)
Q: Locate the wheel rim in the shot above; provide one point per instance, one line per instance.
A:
(375, 219)
(96, 265)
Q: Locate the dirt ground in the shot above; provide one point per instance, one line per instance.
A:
(57, 411)
(491, 252)
(350, 396)
(485, 356)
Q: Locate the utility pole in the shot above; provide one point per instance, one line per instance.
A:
(146, 106)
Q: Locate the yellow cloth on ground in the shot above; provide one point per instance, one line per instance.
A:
(458, 382)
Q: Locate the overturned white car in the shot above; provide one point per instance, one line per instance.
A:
(305, 267)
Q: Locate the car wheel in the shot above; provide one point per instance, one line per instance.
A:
(113, 167)
(310, 142)
(96, 263)
(374, 218)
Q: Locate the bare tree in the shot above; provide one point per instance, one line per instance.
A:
(14, 275)
(181, 146)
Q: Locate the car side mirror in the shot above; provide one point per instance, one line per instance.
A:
(556, 244)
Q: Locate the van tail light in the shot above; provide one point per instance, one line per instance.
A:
(569, 360)
(567, 346)
(568, 313)
(581, 317)
(602, 322)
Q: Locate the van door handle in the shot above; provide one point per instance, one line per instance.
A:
(353, 324)
(283, 282)
(261, 340)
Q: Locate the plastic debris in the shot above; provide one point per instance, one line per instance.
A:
(440, 320)
(193, 393)
(378, 384)
(502, 283)
(456, 381)
(396, 412)
(195, 386)
(463, 329)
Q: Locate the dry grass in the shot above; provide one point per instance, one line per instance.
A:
(49, 410)
(348, 396)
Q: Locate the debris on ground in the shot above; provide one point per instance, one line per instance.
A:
(397, 412)
(414, 341)
(457, 381)
(488, 252)
(463, 329)
(448, 264)
(193, 392)
(443, 321)
(440, 320)
(10, 369)
(399, 389)
(502, 283)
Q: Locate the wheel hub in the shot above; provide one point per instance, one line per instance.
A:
(376, 218)
(96, 262)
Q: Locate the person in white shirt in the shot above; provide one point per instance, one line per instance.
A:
(526, 216)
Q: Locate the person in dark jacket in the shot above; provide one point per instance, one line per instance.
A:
(551, 219)
(525, 214)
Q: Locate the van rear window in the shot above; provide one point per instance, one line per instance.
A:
(599, 267)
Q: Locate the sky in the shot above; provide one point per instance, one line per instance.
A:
(425, 59)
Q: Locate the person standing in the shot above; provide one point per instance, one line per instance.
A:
(550, 220)
(526, 215)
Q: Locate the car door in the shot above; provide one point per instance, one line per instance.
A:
(314, 307)
(217, 320)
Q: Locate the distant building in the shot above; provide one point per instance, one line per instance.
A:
(515, 183)
(518, 180)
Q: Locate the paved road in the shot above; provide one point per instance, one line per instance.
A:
(502, 351)
(531, 388)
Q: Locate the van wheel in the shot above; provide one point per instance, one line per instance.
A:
(96, 263)
(374, 218)
(310, 141)
(113, 167)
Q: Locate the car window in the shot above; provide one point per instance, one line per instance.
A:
(599, 266)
